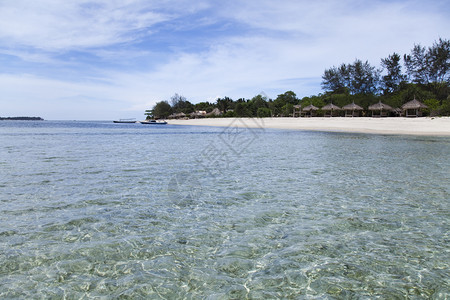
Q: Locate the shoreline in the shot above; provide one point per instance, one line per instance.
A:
(438, 126)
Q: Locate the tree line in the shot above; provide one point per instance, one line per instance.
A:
(258, 106)
(424, 74)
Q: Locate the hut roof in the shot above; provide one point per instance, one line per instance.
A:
(352, 106)
(380, 106)
(214, 112)
(177, 115)
(414, 104)
(310, 107)
(331, 106)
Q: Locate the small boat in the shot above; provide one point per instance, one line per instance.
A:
(154, 122)
(125, 121)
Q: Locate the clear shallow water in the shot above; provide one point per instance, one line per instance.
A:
(103, 210)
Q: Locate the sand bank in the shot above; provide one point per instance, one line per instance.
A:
(409, 126)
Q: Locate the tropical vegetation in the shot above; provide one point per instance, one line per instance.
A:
(423, 74)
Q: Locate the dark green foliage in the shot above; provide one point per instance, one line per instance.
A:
(161, 110)
(336, 79)
(286, 110)
(317, 101)
(416, 65)
(282, 106)
(180, 104)
(224, 104)
(430, 67)
(394, 77)
(242, 110)
(444, 110)
(439, 61)
(288, 97)
(364, 78)
(263, 112)
(433, 107)
(206, 106)
(357, 78)
(229, 114)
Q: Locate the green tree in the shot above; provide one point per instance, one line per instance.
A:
(241, 110)
(224, 104)
(162, 110)
(229, 114)
(317, 101)
(391, 81)
(180, 104)
(439, 64)
(439, 61)
(417, 66)
(264, 112)
(364, 78)
(279, 104)
(286, 110)
(358, 78)
(206, 106)
(336, 80)
(433, 107)
(258, 102)
(289, 97)
(430, 65)
(444, 110)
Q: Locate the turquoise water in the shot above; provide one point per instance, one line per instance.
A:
(96, 210)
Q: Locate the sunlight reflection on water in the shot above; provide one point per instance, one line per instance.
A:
(87, 210)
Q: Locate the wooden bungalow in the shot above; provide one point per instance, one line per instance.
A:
(309, 111)
(380, 110)
(352, 110)
(413, 108)
(331, 110)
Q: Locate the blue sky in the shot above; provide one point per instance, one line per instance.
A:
(110, 59)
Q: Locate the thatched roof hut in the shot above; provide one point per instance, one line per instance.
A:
(382, 108)
(215, 112)
(180, 115)
(413, 108)
(329, 109)
(397, 111)
(352, 110)
(198, 114)
(310, 110)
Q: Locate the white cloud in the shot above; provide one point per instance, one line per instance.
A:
(280, 46)
(61, 25)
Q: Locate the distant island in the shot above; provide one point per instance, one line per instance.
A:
(22, 118)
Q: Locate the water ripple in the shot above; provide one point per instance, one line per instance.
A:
(87, 211)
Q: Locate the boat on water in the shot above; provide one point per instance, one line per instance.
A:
(125, 121)
(153, 122)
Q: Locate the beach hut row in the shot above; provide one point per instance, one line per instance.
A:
(412, 108)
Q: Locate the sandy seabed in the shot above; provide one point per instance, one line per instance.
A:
(439, 126)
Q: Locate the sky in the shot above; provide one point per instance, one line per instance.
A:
(111, 59)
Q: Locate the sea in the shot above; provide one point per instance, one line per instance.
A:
(97, 210)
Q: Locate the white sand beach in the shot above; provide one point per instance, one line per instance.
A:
(439, 126)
